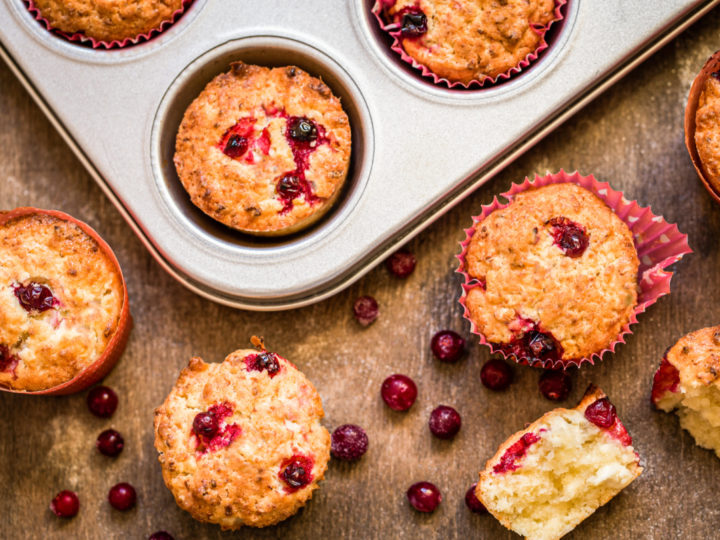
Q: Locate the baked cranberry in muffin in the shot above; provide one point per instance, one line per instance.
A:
(264, 150)
(241, 442)
(62, 300)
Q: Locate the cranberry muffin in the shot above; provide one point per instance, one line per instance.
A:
(107, 20)
(240, 442)
(707, 128)
(470, 40)
(688, 381)
(549, 477)
(264, 150)
(63, 303)
(555, 273)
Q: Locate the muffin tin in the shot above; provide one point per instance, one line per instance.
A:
(418, 148)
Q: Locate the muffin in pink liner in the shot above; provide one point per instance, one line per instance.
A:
(468, 43)
(558, 275)
(107, 25)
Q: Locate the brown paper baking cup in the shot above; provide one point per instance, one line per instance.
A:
(380, 8)
(658, 243)
(82, 39)
(711, 66)
(102, 366)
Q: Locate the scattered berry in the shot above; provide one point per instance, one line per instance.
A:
(424, 496)
(555, 385)
(399, 392)
(444, 422)
(65, 504)
(401, 263)
(161, 535)
(349, 442)
(602, 413)
(122, 496)
(447, 346)
(496, 374)
(365, 310)
(102, 401)
(472, 501)
(110, 443)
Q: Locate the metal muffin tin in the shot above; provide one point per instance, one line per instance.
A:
(418, 148)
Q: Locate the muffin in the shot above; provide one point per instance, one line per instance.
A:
(469, 40)
(549, 477)
(707, 129)
(240, 442)
(553, 276)
(64, 315)
(687, 382)
(264, 150)
(106, 21)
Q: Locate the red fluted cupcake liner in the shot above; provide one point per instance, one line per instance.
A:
(392, 29)
(82, 39)
(658, 243)
(115, 347)
(711, 66)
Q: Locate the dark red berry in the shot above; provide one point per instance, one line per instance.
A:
(602, 413)
(349, 442)
(236, 146)
(296, 472)
(447, 346)
(205, 424)
(65, 504)
(555, 385)
(289, 187)
(413, 22)
(496, 374)
(122, 496)
(715, 75)
(110, 443)
(444, 422)
(472, 501)
(8, 361)
(102, 401)
(401, 263)
(399, 392)
(302, 129)
(365, 310)
(35, 297)
(666, 379)
(424, 496)
(161, 535)
(569, 236)
(264, 361)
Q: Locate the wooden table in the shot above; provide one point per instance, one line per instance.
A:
(632, 137)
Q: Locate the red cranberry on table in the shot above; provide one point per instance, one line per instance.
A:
(401, 263)
(65, 504)
(555, 385)
(110, 443)
(161, 535)
(602, 413)
(399, 392)
(447, 346)
(472, 501)
(365, 310)
(102, 401)
(122, 496)
(496, 374)
(349, 442)
(444, 422)
(424, 496)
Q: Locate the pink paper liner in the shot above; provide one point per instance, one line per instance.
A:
(658, 243)
(396, 46)
(79, 37)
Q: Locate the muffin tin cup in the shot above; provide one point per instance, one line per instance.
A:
(82, 39)
(711, 66)
(396, 45)
(658, 243)
(107, 360)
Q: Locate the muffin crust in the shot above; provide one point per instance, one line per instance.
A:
(707, 128)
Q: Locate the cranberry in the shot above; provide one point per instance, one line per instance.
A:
(8, 362)
(715, 75)
(496, 374)
(444, 422)
(236, 146)
(414, 22)
(401, 263)
(264, 361)
(110, 442)
(289, 187)
(365, 310)
(555, 385)
(161, 535)
(205, 424)
(666, 379)
(531, 344)
(122, 496)
(508, 461)
(297, 472)
(35, 297)
(65, 504)
(424, 496)
(602, 413)
(473, 503)
(102, 401)
(569, 236)
(447, 346)
(349, 442)
(399, 392)
(302, 129)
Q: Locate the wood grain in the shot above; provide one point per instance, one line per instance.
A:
(632, 137)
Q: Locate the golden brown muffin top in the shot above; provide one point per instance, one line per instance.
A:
(707, 129)
(696, 356)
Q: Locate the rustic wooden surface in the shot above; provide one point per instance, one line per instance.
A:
(631, 136)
